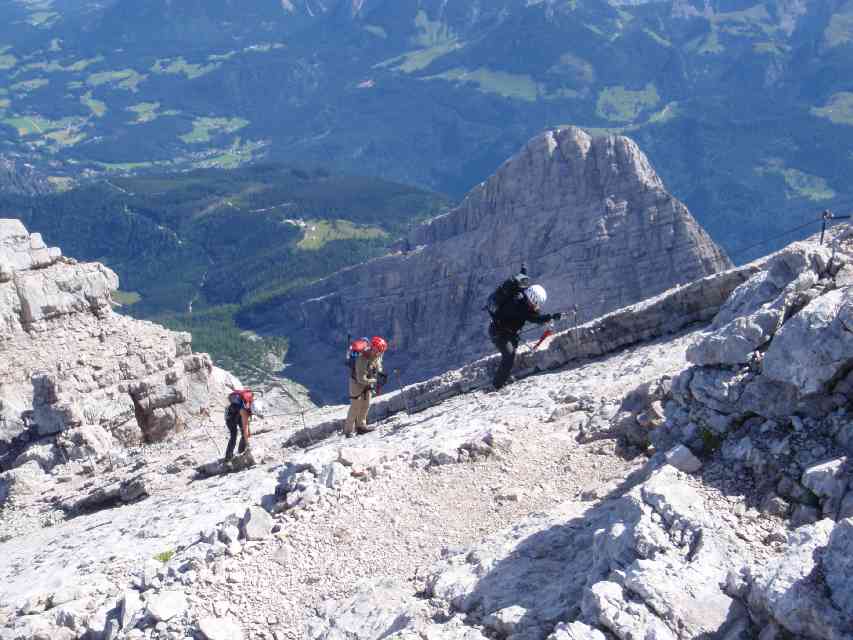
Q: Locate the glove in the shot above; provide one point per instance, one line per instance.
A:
(556, 316)
(382, 377)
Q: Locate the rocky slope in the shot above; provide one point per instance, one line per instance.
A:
(684, 461)
(79, 381)
(590, 217)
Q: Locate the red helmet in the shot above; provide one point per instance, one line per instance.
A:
(378, 343)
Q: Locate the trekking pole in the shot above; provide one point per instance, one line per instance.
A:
(549, 331)
(403, 392)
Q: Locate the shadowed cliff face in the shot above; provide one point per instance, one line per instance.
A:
(589, 216)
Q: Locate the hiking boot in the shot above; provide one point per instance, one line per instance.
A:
(362, 430)
(349, 434)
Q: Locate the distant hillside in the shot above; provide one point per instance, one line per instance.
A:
(210, 241)
(745, 106)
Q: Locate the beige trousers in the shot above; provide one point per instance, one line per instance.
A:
(359, 406)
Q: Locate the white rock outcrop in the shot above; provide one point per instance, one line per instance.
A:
(77, 380)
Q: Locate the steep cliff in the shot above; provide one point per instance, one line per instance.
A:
(589, 216)
(77, 378)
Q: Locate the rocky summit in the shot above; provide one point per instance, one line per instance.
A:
(674, 469)
(588, 215)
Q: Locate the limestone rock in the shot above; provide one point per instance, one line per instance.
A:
(575, 631)
(683, 459)
(815, 344)
(27, 479)
(828, 481)
(838, 567)
(166, 605)
(374, 612)
(611, 607)
(785, 591)
(109, 493)
(129, 608)
(70, 362)
(256, 524)
(600, 232)
(361, 459)
(220, 629)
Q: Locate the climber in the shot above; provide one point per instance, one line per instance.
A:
(510, 310)
(366, 375)
(238, 415)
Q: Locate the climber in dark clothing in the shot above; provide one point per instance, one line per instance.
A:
(238, 415)
(509, 317)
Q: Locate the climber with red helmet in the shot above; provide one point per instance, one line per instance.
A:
(365, 374)
(510, 307)
(238, 415)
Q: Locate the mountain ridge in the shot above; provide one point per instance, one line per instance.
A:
(598, 231)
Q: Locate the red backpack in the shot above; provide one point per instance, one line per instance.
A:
(245, 395)
(356, 348)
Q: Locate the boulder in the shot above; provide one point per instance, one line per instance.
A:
(609, 605)
(683, 459)
(89, 442)
(783, 589)
(130, 607)
(362, 459)
(575, 631)
(828, 481)
(220, 629)
(28, 479)
(735, 342)
(838, 567)
(377, 610)
(814, 346)
(166, 605)
(256, 524)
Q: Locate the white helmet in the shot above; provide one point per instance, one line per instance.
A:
(536, 295)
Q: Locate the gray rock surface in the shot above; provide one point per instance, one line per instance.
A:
(256, 524)
(815, 345)
(166, 605)
(73, 368)
(838, 566)
(220, 629)
(788, 592)
(683, 459)
(599, 231)
(757, 309)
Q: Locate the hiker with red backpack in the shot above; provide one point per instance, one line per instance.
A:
(238, 415)
(366, 374)
(513, 303)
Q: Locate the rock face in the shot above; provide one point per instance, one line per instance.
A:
(77, 378)
(589, 216)
(764, 413)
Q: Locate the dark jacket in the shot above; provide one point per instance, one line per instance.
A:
(512, 315)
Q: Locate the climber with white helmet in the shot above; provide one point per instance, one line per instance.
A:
(513, 304)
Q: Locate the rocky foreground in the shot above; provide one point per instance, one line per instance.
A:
(677, 469)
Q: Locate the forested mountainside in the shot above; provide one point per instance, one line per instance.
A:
(744, 106)
(192, 249)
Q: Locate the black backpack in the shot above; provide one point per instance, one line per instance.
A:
(508, 290)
